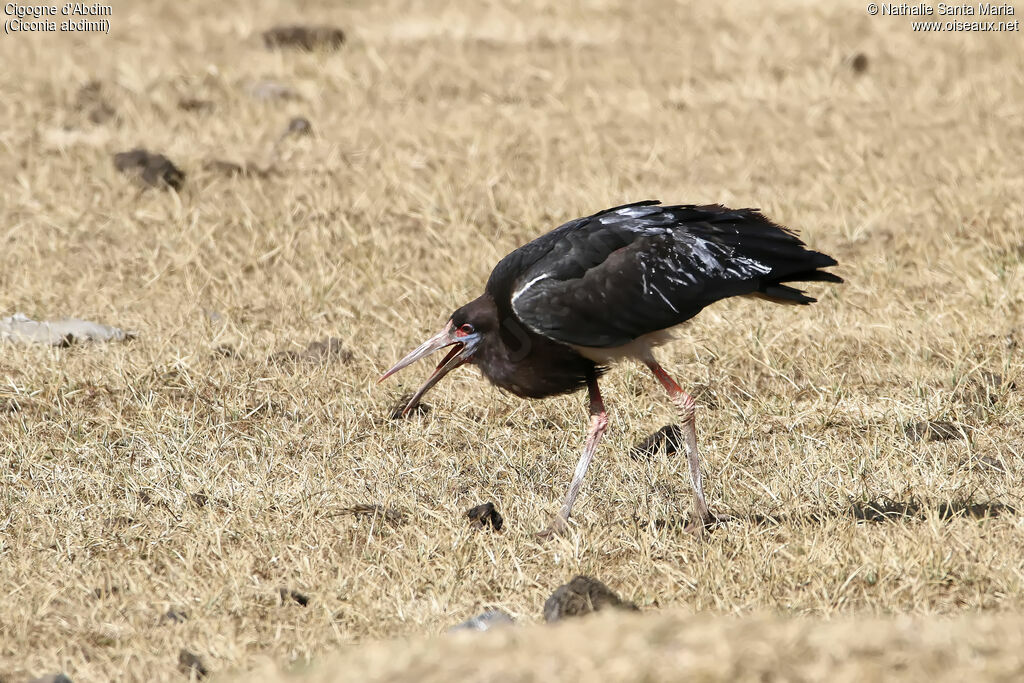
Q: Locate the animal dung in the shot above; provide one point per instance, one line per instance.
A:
(581, 596)
(174, 616)
(485, 621)
(189, 664)
(308, 38)
(153, 169)
(934, 430)
(288, 594)
(299, 125)
(194, 104)
(669, 438)
(62, 332)
(485, 516)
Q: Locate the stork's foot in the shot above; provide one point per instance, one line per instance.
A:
(559, 527)
(698, 527)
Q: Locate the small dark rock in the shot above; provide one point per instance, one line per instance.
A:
(193, 104)
(51, 678)
(484, 621)
(580, 596)
(307, 38)
(933, 430)
(190, 664)
(174, 616)
(155, 170)
(669, 437)
(295, 596)
(300, 125)
(485, 516)
(859, 63)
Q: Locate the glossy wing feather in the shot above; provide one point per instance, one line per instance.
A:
(609, 278)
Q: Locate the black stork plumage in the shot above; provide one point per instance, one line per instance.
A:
(557, 311)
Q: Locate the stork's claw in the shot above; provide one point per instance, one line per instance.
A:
(559, 527)
(708, 523)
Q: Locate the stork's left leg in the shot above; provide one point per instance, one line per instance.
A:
(598, 423)
(686, 406)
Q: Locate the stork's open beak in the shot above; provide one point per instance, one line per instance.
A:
(463, 349)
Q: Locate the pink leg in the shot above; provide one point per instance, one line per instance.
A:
(686, 405)
(598, 423)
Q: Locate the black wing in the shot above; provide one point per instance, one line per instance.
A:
(609, 278)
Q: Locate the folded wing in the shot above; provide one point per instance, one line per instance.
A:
(605, 280)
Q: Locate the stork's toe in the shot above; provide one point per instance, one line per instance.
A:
(708, 523)
(559, 527)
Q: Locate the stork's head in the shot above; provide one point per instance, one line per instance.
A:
(468, 328)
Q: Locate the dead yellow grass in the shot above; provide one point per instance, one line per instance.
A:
(669, 646)
(166, 474)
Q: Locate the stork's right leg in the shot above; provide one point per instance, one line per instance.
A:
(686, 406)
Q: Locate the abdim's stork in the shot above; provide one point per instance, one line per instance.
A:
(558, 310)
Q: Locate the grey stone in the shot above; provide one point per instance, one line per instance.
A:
(485, 621)
(64, 332)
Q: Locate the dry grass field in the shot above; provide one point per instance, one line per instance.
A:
(193, 470)
(668, 646)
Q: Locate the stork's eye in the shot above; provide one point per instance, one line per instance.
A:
(464, 330)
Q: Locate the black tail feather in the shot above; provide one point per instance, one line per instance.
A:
(780, 293)
(812, 276)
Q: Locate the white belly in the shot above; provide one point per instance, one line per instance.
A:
(640, 348)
